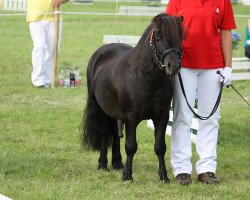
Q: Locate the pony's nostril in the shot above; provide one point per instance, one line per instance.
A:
(169, 64)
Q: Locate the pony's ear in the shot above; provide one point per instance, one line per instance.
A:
(181, 19)
(157, 19)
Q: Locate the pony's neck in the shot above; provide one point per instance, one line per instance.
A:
(141, 56)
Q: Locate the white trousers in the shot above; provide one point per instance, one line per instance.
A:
(205, 85)
(42, 34)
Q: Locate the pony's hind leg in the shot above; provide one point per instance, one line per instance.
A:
(116, 154)
(103, 161)
(131, 148)
(160, 149)
(120, 125)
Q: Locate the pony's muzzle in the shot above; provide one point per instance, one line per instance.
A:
(172, 67)
(171, 60)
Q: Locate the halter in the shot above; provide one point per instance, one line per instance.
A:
(159, 57)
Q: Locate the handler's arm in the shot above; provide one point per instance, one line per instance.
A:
(248, 25)
(226, 45)
(57, 3)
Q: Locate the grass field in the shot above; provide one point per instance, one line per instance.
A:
(40, 153)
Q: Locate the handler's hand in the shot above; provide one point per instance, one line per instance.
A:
(57, 3)
(227, 73)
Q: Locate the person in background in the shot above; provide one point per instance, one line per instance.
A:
(247, 41)
(207, 47)
(1, 4)
(41, 24)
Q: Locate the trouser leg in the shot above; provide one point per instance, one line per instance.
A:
(181, 149)
(38, 36)
(206, 140)
(49, 50)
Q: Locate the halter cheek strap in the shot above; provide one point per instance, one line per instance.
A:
(159, 57)
(151, 37)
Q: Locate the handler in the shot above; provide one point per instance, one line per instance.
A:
(41, 24)
(1, 4)
(207, 47)
(247, 40)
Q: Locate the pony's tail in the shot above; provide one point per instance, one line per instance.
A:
(97, 126)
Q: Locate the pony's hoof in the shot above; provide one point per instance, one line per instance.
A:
(164, 176)
(127, 177)
(117, 165)
(102, 167)
(165, 179)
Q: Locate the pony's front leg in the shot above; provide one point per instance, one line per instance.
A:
(131, 148)
(160, 149)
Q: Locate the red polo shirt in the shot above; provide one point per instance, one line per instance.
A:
(203, 20)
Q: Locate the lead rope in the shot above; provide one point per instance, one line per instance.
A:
(217, 103)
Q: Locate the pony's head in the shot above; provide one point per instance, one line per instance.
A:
(165, 41)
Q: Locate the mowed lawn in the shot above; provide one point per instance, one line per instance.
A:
(40, 152)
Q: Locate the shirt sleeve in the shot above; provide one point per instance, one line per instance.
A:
(172, 7)
(228, 21)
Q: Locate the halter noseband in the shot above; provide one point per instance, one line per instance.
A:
(159, 57)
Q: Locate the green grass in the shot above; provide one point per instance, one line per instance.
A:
(40, 153)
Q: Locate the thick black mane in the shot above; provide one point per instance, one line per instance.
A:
(168, 26)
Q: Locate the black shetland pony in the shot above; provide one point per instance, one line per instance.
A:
(127, 85)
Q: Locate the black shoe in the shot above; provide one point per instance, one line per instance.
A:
(41, 86)
(184, 178)
(208, 178)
